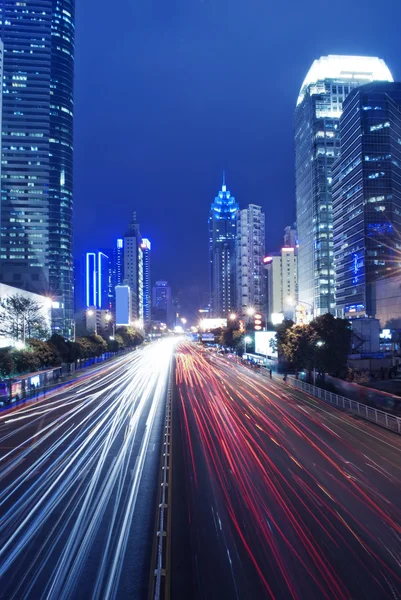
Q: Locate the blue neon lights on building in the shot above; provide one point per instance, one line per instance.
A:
(97, 280)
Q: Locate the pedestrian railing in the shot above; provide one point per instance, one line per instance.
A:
(362, 410)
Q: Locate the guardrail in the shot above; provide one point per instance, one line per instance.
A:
(362, 410)
(160, 584)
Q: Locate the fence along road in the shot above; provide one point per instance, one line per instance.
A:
(380, 417)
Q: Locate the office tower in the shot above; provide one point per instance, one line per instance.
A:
(133, 269)
(97, 275)
(162, 305)
(222, 227)
(290, 236)
(367, 197)
(282, 293)
(250, 251)
(147, 302)
(317, 145)
(37, 151)
(116, 271)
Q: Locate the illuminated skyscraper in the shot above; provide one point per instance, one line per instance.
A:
(222, 228)
(37, 151)
(97, 276)
(133, 268)
(147, 302)
(250, 251)
(367, 197)
(317, 145)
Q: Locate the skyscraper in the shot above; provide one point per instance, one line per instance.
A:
(317, 145)
(367, 197)
(147, 302)
(37, 151)
(97, 275)
(133, 268)
(222, 227)
(116, 270)
(281, 269)
(250, 251)
(162, 306)
(290, 236)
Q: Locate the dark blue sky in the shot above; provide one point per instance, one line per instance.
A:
(170, 92)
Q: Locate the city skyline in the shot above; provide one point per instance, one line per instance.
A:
(182, 133)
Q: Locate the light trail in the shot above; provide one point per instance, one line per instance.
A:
(311, 520)
(71, 474)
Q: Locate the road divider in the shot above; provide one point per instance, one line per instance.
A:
(159, 588)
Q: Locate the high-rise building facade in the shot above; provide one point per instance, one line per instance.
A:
(367, 197)
(162, 304)
(97, 280)
(290, 236)
(37, 151)
(116, 271)
(222, 238)
(317, 146)
(147, 301)
(282, 292)
(250, 251)
(133, 269)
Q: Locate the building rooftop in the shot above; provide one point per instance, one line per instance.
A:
(342, 67)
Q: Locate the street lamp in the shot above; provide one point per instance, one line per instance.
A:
(233, 317)
(90, 313)
(250, 311)
(319, 343)
(183, 320)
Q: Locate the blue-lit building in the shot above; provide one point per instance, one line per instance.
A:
(37, 151)
(97, 280)
(317, 145)
(147, 300)
(222, 261)
(367, 197)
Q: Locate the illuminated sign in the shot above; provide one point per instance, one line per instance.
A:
(145, 244)
(212, 323)
(267, 259)
(265, 342)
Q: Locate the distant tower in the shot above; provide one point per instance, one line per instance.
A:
(250, 251)
(133, 268)
(222, 228)
(147, 306)
(317, 145)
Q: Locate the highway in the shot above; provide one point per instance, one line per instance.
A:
(79, 472)
(277, 495)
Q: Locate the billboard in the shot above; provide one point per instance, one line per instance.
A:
(208, 324)
(264, 343)
(123, 308)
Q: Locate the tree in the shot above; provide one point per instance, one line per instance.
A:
(68, 351)
(130, 336)
(22, 318)
(25, 361)
(45, 352)
(296, 347)
(7, 365)
(331, 339)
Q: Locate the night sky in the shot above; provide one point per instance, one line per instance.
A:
(171, 92)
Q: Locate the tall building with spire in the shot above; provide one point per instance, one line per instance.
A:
(222, 263)
(37, 152)
(317, 145)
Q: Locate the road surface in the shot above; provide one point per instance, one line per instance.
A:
(277, 495)
(79, 472)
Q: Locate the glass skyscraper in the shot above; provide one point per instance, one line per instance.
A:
(367, 197)
(37, 151)
(222, 234)
(317, 146)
